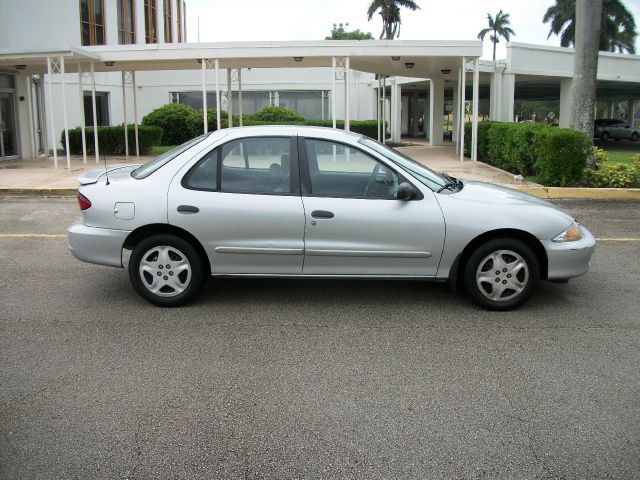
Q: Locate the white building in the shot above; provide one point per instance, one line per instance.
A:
(149, 37)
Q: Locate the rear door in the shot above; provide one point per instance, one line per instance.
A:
(242, 202)
(354, 223)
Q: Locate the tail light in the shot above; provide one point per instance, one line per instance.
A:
(83, 201)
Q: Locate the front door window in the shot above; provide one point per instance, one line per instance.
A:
(7, 126)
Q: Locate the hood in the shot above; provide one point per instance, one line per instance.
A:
(115, 172)
(489, 193)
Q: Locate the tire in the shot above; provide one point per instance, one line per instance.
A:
(512, 285)
(634, 137)
(169, 284)
(604, 136)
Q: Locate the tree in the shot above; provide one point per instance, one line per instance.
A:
(339, 32)
(390, 12)
(500, 28)
(618, 28)
(583, 90)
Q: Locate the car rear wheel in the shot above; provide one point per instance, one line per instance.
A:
(166, 270)
(502, 274)
(634, 137)
(604, 136)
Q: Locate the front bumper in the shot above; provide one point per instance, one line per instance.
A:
(569, 259)
(96, 245)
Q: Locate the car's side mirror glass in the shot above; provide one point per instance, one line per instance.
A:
(405, 191)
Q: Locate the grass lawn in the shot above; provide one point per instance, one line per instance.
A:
(160, 149)
(620, 157)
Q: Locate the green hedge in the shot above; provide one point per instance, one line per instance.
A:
(556, 155)
(560, 155)
(111, 139)
(276, 114)
(178, 122)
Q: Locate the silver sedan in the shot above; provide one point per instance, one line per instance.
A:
(288, 201)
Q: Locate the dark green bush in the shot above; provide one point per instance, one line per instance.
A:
(483, 139)
(276, 114)
(111, 139)
(178, 122)
(509, 146)
(560, 155)
(368, 128)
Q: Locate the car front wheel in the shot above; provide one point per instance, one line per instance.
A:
(166, 270)
(502, 274)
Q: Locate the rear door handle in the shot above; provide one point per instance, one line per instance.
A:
(321, 214)
(188, 209)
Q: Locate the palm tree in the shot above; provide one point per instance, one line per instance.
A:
(390, 13)
(500, 28)
(618, 32)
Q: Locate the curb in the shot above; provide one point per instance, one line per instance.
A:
(586, 193)
(37, 192)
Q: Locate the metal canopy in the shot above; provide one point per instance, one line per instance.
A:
(372, 56)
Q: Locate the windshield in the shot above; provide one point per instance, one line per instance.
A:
(428, 177)
(157, 162)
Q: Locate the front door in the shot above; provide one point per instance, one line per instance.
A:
(242, 202)
(8, 144)
(354, 223)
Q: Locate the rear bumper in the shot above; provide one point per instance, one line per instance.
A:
(96, 245)
(569, 259)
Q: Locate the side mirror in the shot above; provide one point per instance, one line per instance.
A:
(405, 192)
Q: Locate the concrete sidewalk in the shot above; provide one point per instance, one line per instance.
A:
(38, 177)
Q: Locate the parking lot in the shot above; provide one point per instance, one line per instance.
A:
(316, 378)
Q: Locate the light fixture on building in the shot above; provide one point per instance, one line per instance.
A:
(199, 60)
(20, 67)
(395, 58)
(409, 64)
(445, 71)
(298, 59)
(109, 64)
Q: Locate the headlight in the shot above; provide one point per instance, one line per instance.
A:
(571, 234)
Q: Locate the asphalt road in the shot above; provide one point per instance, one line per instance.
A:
(314, 379)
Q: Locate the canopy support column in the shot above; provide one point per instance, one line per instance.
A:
(217, 69)
(82, 119)
(54, 143)
(124, 112)
(204, 95)
(474, 120)
(96, 146)
(240, 96)
(64, 114)
(135, 112)
(463, 77)
(347, 125)
(229, 99)
(333, 91)
(384, 109)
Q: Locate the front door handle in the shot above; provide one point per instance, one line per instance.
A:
(188, 209)
(321, 214)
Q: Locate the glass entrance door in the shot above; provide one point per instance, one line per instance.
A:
(8, 149)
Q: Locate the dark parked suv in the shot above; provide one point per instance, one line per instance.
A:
(607, 128)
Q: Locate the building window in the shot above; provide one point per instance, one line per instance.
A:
(92, 22)
(179, 20)
(150, 21)
(102, 109)
(126, 22)
(168, 16)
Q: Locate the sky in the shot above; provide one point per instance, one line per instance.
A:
(263, 20)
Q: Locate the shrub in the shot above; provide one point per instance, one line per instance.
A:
(276, 114)
(616, 176)
(368, 128)
(509, 146)
(178, 122)
(111, 139)
(483, 139)
(560, 155)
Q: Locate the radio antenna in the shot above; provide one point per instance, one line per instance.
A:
(106, 172)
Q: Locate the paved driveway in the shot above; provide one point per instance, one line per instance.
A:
(314, 379)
